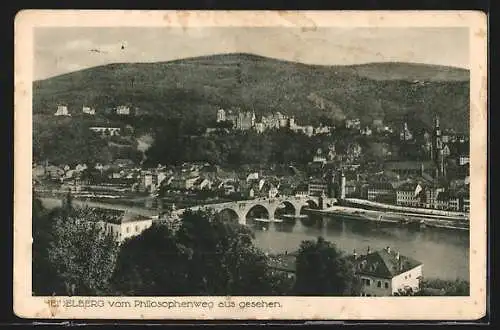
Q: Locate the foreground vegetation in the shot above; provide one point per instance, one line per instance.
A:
(202, 255)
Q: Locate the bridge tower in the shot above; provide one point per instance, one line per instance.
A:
(342, 186)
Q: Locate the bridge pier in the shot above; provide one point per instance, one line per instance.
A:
(242, 220)
(297, 211)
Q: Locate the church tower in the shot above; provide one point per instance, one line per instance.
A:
(437, 148)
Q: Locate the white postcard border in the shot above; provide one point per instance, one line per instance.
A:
(333, 308)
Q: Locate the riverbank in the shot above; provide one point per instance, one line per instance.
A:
(410, 219)
(376, 206)
(424, 245)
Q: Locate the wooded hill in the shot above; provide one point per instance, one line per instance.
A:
(193, 89)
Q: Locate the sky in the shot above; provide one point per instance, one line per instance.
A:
(62, 50)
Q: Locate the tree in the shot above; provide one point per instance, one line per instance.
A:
(224, 259)
(65, 142)
(456, 287)
(321, 269)
(204, 256)
(152, 264)
(81, 253)
(44, 277)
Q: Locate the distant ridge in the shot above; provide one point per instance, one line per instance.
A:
(400, 70)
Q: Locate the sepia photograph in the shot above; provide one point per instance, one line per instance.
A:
(179, 163)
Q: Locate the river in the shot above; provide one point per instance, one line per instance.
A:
(444, 253)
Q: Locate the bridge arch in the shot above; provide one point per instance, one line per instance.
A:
(257, 210)
(229, 214)
(312, 203)
(309, 204)
(285, 207)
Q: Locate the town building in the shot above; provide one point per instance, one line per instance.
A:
(229, 187)
(321, 130)
(387, 273)
(273, 191)
(309, 130)
(465, 203)
(447, 200)
(106, 131)
(62, 110)
(123, 224)
(245, 120)
(351, 189)
(202, 184)
(318, 157)
(123, 110)
(259, 127)
(88, 110)
(410, 168)
(38, 171)
(54, 173)
(317, 187)
(74, 185)
(367, 131)
(463, 159)
(353, 123)
(381, 192)
(431, 194)
(410, 194)
(405, 134)
(123, 163)
(184, 182)
(275, 121)
(353, 151)
(221, 115)
(146, 181)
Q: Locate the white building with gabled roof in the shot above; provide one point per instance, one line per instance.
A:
(123, 224)
(62, 110)
(387, 273)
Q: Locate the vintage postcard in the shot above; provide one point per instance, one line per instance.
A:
(250, 165)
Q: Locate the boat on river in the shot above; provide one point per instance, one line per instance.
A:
(267, 220)
(293, 216)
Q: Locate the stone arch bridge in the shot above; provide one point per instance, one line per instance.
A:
(242, 208)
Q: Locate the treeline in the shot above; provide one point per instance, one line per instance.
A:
(202, 256)
(173, 146)
(177, 140)
(70, 141)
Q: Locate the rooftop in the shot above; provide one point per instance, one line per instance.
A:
(408, 165)
(384, 263)
(119, 216)
(381, 185)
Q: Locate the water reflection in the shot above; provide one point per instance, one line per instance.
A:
(284, 227)
(445, 253)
